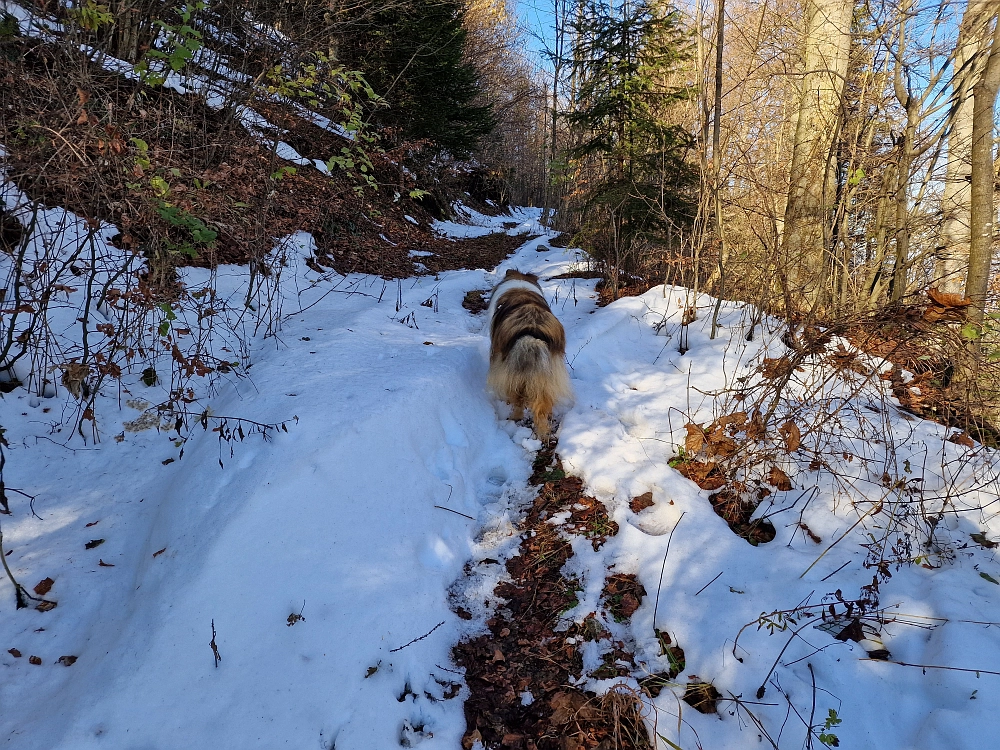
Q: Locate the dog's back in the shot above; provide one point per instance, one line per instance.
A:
(527, 349)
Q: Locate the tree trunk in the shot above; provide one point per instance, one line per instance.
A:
(983, 219)
(956, 202)
(811, 187)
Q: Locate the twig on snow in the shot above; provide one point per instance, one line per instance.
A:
(394, 650)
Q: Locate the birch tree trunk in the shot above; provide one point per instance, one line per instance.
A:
(812, 187)
(983, 218)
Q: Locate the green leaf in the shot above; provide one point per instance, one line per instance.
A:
(989, 578)
(164, 328)
(970, 332)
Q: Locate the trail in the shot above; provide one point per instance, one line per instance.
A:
(334, 519)
(338, 559)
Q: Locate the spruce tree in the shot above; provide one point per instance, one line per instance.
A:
(637, 176)
(412, 53)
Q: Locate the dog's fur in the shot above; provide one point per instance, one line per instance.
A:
(527, 350)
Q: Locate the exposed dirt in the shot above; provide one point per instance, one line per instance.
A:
(109, 149)
(524, 654)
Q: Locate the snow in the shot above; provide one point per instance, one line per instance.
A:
(399, 471)
(474, 224)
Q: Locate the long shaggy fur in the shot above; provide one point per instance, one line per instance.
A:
(527, 350)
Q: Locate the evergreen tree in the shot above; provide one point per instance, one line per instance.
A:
(630, 154)
(412, 53)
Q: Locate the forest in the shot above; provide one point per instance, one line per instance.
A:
(247, 447)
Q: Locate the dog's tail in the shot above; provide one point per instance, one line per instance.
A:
(534, 376)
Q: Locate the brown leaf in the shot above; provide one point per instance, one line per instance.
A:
(471, 739)
(103, 564)
(45, 605)
(695, 439)
(14, 652)
(498, 655)
(944, 299)
(738, 418)
(793, 438)
(719, 444)
(639, 503)
(36, 660)
(776, 368)
(757, 430)
(92, 523)
(82, 119)
(570, 706)
(83, 96)
(159, 552)
(852, 632)
(980, 539)
(779, 479)
(963, 439)
(66, 661)
(93, 543)
(705, 475)
(44, 586)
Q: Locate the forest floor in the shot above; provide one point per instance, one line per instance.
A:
(401, 565)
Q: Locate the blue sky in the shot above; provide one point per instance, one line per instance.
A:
(536, 18)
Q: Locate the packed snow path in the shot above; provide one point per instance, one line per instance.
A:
(361, 518)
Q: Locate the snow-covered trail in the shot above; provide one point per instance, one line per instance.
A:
(334, 520)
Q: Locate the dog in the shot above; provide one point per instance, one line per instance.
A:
(527, 350)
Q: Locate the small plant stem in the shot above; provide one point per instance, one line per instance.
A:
(656, 604)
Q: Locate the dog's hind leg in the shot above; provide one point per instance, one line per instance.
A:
(541, 410)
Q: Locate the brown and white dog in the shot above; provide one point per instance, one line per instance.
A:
(527, 350)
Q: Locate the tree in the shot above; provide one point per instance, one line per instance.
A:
(812, 181)
(413, 54)
(983, 212)
(632, 154)
(956, 203)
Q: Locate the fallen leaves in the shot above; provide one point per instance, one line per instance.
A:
(779, 479)
(639, 503)
(93, 543)
(36, 660)
(523, 652)
(706, 475)
(622, 595)
(790, 433)
(66, 661)
(44, 586)
(572, 705)
(962, 438)
(701, 696)
(475, 302)
(714, 440)
(736, 507)
(945, 306)
(14, 652)
(980, 539)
